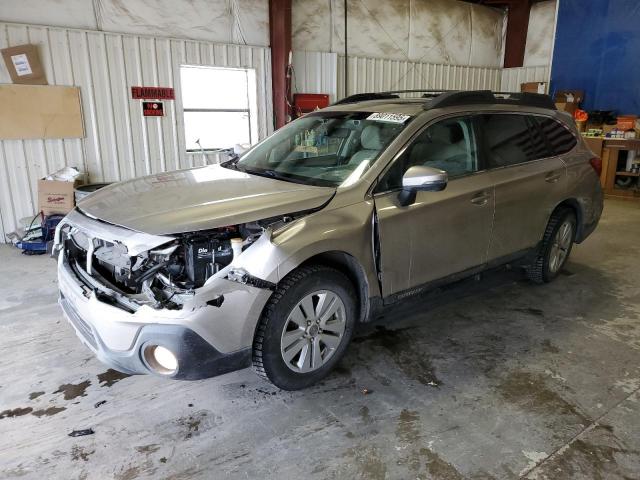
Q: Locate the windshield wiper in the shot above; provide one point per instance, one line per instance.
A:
(274, 174)
(232, 162)
(271, 173)
(263, 172)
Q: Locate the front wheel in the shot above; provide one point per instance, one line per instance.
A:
(556, 246)
(305, 328)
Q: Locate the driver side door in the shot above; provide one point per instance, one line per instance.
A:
(442, 233)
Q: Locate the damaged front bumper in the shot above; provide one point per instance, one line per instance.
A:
(211, 334)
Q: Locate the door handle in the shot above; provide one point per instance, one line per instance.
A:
(481, 198)
(552, 177)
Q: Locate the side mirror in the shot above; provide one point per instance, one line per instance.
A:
(424, 179)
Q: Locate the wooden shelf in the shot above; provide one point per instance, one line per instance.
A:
(621, 143)
(627, 174)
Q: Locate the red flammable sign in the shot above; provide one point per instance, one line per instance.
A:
(152, 93)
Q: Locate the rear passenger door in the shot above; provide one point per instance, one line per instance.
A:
(529, 179)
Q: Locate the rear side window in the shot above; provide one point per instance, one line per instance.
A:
(559, 138)
(512, 139)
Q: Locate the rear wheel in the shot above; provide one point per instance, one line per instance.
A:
(556, 247)
(305, 328)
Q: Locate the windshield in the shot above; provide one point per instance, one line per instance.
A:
(323, 148)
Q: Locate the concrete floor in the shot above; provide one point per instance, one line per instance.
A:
(492, 379)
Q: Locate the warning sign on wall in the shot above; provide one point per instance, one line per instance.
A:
(153, 93)
(153, 109)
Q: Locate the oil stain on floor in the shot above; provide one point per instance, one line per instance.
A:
(73, 390)
(110, 377)
(406, 355)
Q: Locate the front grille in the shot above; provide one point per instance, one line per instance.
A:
(81, 325)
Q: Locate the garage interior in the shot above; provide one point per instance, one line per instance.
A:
(490, 377)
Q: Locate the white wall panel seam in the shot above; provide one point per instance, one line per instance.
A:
(158, 121)
(126, 110)
(143, 124)
(1, 226)
(83, 144)
(48, 67)
(8, 204)
(89, 91)
(174, 124)
(30, 179)
(110, 112)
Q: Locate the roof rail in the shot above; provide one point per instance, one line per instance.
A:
(481, 97)
(425, 91)
(361, 97)
(449, 98)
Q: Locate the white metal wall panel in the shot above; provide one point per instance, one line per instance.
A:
(315, 72)
(513, 77)
(119, 142)
(375, 74)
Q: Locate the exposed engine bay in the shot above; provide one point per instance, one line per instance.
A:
(166, 276)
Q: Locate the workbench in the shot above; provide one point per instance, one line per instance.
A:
(610, 170)
(609, 149)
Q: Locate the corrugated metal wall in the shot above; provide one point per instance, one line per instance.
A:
(375, 74)
(321, 72)
(512, 77)
(315, 72)
(120, 143)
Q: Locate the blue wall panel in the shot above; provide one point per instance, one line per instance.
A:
(597, 49)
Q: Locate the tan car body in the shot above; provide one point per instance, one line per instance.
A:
(389, 251)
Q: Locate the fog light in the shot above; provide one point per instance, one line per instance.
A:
(161, 359)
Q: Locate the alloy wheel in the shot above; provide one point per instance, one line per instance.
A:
(313, 331)
(560, 246)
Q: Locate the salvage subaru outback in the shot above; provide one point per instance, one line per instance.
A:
(272, 259)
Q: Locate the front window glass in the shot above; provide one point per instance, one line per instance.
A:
(448, 145)
(323, 148)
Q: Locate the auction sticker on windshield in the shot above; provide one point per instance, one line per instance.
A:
(389, 117)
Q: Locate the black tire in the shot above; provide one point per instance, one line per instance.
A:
(540, 269)
(268, 360)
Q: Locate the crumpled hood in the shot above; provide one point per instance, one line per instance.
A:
(199, 199)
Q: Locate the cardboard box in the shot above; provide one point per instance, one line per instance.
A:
(563, 96)
(626, 122)
(55, 196)
(567, 107)
(40, 111)
(23, 64)
(534, 87)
